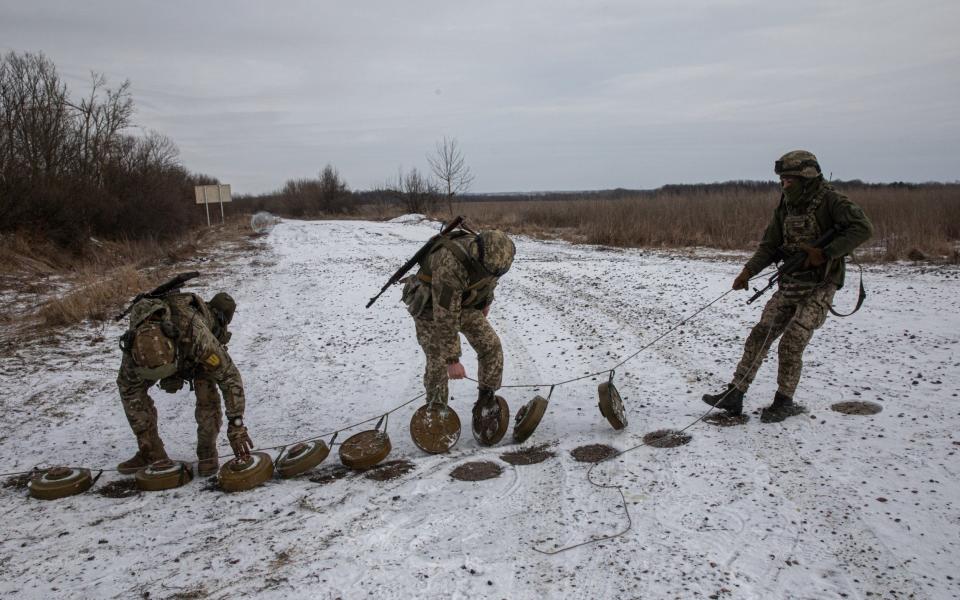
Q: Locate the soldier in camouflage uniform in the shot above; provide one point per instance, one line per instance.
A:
(172, 340)
(452, 294)
(808, 207)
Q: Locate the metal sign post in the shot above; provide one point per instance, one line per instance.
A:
(207, 193)
(206, 205)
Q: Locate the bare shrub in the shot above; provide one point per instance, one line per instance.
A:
(69, 170)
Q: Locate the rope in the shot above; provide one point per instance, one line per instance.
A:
(418, 396)
(626, 509)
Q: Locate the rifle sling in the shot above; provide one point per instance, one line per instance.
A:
(861, 295)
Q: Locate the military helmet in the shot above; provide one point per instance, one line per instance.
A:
(797, 163)
(495, 251)
(224, 304)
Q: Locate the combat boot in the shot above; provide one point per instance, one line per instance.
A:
(150, 450)
(783, 406)
(730, 400)
(207, 460)
(486, 418)
(208, 466)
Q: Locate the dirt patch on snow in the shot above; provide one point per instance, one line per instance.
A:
(17, 482)
(330, 474)
(593, 453)
(722, 419)
(857, 408)
(477, 471)
(666, 438)
(390, 470)
(122, 488)
(528, 456)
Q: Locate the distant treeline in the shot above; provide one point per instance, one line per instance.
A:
(71, 169)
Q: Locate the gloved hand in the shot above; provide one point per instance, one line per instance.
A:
(172, 384)
(240, 441)
(456, 371)
(742, 280)
(815, 256)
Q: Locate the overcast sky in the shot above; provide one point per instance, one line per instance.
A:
(545, 95)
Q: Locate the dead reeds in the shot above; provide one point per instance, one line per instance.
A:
(910, 222)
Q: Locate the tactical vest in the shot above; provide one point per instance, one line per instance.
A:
(799, 228)
(480, 284)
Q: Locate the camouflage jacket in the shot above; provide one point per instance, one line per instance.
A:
(450, 293)
(199, 354)
(835, 209)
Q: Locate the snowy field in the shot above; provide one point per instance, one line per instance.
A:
(825, 505)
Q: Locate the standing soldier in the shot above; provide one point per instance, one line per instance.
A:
(173, 339)
(808, 207)
(450, 294)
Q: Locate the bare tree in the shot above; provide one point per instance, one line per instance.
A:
(450, 168)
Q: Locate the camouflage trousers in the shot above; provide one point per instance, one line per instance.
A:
(795, 320)
(481, 336)
(141, 411)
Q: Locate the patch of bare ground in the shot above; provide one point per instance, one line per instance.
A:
(390, 470)
(17, 482)
(121, 488)
(477, 471)
(857, 408)
(593, 453)
(330, 474)
(722, 419)
(666, 438)
(528, 456)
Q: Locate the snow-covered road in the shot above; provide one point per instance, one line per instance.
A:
(825, 505)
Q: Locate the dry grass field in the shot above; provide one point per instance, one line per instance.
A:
(911, 223)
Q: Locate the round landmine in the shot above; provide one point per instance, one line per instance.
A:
(593, 453)
(163, 475)
(365, 449)
(435, 429)
(527, 456)
(666, 438)
(300, 458)
(611, 405)
(239, 475)
(723, 419)
(502, 426)
(857, 408)
(476, 471)
(528, 417)
(60, 482)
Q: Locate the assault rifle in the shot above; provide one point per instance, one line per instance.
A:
(794, 262)
(162, 290)
(395, 278)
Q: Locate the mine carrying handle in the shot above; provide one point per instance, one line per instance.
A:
(795, 261)
(161, 290)
(395, 278)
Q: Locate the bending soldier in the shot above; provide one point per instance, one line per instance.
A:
(808, 207)
(174, 339)
(452, 294)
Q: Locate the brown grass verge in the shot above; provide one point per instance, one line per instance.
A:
(102, 277)
(921, 223)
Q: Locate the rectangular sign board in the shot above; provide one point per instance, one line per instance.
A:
(207, 194)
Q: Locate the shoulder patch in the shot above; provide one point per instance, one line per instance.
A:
(212, 360)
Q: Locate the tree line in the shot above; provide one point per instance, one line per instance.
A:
(75, 168)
